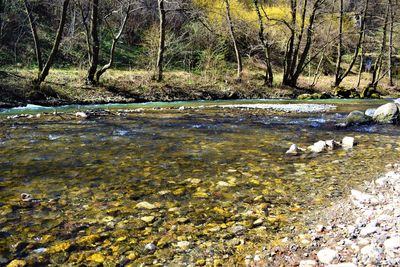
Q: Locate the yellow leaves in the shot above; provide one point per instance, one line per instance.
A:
(216, 11)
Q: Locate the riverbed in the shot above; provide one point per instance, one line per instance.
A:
(178, 183)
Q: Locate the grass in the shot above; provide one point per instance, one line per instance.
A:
(128, 86)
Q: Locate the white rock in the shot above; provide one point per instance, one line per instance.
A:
(370, 254)
(150, 247)
(347, 142)
(327, 255)
(392, 243)
(308, 263)
(294, 150)
(368, 230)
(318, 147)
(81, 114)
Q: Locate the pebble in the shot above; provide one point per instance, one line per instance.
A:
(307, 263)
(183, 245)
(392, 243)
(147, 219)
(368, 230)
(327, 255)
(150, 248)
(145, 205)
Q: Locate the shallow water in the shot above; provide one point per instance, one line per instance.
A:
(219, 179)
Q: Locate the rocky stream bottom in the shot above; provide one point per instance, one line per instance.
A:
(361, 230)
(179, 187)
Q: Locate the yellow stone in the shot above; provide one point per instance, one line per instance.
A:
(178, 191)
(200, 194)
(97, 257)
(88, 240)
(132, 256)
(201, 262)
(122, 238)
(17, 263)
(59, 247)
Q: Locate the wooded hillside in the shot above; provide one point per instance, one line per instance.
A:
(285, 38)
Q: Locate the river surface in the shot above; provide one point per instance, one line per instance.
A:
(165, 185)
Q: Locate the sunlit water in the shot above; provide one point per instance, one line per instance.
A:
(216, 178)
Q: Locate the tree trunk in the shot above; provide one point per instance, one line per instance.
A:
(269, 78)
(390, 61)
(360, 70)
(36, 43)
(287, 79)
(161, 45)
(340, 45)
(57, 41)
(376, 74)
(295, 62)
(233, 37)
(113, 46)
(2, 8)
(95, 43)
(340, 77)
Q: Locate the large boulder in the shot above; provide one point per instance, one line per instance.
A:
(357, 117)
(388, 113)
(370, 112)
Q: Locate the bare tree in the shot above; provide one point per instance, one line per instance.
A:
(32, 24)
(299, 44)
(161, 44)
(269, 76)
(233, 37)
(391, 31)
(92, 38)
(339, 77)
(115, 40)
(377, 72)
(44, 69)
(340, 45)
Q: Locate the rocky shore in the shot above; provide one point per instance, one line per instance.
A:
(362, 230)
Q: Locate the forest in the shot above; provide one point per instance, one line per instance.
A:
(134, 49)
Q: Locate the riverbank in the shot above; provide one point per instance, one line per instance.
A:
(362, 230)
(67, 86)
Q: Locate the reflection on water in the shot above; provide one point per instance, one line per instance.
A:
(200, 184)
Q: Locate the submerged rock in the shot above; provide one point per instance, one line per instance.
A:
(150, 248)
(388, 113)
(357, 117)
(145, 205)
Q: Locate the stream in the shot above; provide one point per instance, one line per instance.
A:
(173, 183)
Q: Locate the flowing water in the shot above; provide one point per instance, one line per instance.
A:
(202, 185)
